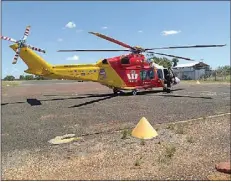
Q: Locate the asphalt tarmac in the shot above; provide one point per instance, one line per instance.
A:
(37, 111)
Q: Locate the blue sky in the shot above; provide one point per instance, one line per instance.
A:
(135, 23)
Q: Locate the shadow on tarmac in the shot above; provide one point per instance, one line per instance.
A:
(37, 102)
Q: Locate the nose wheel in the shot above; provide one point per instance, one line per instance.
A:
(115, 91)
(134, 92)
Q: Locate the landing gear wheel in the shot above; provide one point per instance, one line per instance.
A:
(115, 91)
(134, 92)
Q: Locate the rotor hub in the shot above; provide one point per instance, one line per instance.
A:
(21, 43)
(137, 50)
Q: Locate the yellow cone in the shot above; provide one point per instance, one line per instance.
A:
(144, 130)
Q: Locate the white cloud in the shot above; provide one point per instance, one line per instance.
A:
(170, 32)
(60, 40)
(73, 58)
(70, 25)
(104, 27)
(140, 31)
(78, 31)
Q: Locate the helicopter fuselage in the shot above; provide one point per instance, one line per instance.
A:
(126, 72)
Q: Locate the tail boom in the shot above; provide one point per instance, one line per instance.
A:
(38, 66)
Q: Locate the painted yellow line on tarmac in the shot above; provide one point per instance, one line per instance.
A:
(177, 122)
(206, 117)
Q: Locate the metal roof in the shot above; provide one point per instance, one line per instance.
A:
(195, 63)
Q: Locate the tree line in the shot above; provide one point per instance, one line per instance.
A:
(24, 77)
(163, 61)
(167, 63)
(225, 70)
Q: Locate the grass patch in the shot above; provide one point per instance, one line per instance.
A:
(10, 83)
(190, 139)
(138, 162)
(179, 130)
(168, 154)
(170, 151)
(208, 81)
(142, 142)
(170, 127)
(125, 134)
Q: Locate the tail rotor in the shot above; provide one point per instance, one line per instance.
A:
(26, 33)
(8, 39)
(21, 44)
(16, 56)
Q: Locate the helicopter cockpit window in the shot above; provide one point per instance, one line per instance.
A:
(146, 75)
(143, 74)
(125, 60)
(151, 74)
(160, 74)
(105, 61)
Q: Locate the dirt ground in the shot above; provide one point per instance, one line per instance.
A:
(183, 151)
(105, 149)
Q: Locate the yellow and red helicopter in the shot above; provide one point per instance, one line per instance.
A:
(127, 72)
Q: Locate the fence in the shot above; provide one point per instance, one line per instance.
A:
(215, 76)
(209, 75)
(189, 74)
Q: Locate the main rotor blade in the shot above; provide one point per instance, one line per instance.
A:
(86, 50)
(93, 50)
(8, 38)
(188, 59)
(194, 46)
(111, 39)
(26, 33)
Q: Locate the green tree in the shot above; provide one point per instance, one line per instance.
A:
(29, 77)
(38, 77)
(9, 78)
(21, 77)
(165, 62)
(175, 61)
(224, 70)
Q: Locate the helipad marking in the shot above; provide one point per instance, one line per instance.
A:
(63, 139)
